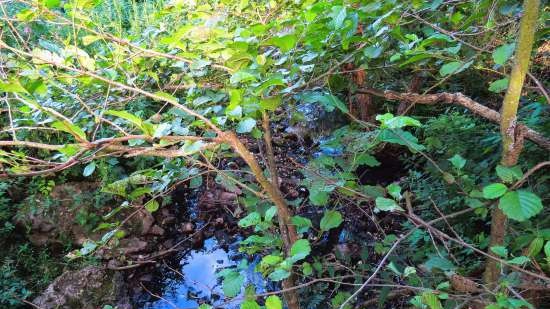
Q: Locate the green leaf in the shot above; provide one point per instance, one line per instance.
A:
(519, 260)
(386, 204)
(302, 224)
(503, 53)
(135, 120)
(535, 246)
(246, 125)
(328, 101)
(89, 169)
(89, 39)
(494, 191)
(520, 205)
(450, 68)
(251, 219)
(458, 161)
(500, 251)
(373, 51)
(431, 300)
(279, 274)
(241, 77)
(273, 302)
(285, 42)
(232, 283)
(318, 197)
(509, 174)
(300, 250)
(163, 96)
(250, 304)
(12, 86)
(394, 190)
(331, 219)
(389, 121)
(152, 206)
(205, 306)
(547, 249)
(271, 103)
(70, 128)
(191, 147)
(499, 85)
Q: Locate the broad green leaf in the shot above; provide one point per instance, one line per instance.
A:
(279, 274)
(450, 68)
(232, 283)
(535, 246)
(246, 125)
(499, 85)
(89, 39)
(389, 121)
(500, 251)
(547, 249)
(520, 205)
(191, 147)
(438, 262)
(386, 204)
(152, 206)
(42, 56)
(431, 300)
(70, 128)
(166, 97)
(241, 77)
(373, 51)
(331, 219)
(251, 219)
(12, 86)
(394, 190)
(285, 42)
(126, 116)
(302, 224)
(300, 250)
(271, 103)
(494, 190)
(273, 302)
(520, 260)
(328, 101)
(509, 174)
(89, 169)
(250, 304)
(503, 53)
(458, 161)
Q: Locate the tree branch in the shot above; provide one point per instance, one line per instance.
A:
(455, 99)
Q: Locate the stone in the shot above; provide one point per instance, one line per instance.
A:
(89, 288)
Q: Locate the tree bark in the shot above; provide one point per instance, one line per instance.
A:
(512, 133)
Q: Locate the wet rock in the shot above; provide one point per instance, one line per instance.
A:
(132, 245)
(89, 288)
(156, 230)
(143, 221)
(187, 227)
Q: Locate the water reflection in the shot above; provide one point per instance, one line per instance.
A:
(200, 283)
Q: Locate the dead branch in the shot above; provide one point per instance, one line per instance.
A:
(455, 99)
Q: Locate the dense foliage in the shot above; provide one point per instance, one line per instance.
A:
(143, 95)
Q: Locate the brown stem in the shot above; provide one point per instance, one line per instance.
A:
(456, 99)
(284, 214)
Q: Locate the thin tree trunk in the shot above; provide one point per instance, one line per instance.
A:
(284, 214)
(512, 133)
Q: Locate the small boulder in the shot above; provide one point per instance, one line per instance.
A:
(89, 288)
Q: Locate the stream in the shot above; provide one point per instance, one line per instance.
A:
(192, 279)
